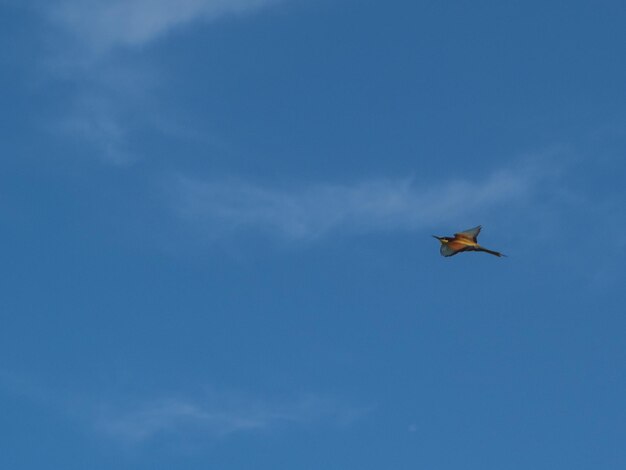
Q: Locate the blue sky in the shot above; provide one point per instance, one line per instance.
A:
(217, 216)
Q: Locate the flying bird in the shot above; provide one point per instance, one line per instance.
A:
(463, 241)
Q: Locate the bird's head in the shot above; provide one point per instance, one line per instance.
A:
(443, 240)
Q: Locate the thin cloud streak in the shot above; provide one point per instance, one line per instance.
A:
(367, 206)
(94, 47)
(217, 416)
(97, 123)
(213, 414)
(105, 25)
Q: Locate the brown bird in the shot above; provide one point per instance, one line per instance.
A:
(463, 241)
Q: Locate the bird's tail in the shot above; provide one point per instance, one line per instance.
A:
(491, 252)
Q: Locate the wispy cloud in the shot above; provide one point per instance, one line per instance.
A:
(374, 205)
(212, 414)
(217, 416)
(104, 25)
(106, 104)
(96, 122)
(94, 47)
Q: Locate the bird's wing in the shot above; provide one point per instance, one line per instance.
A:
(445, 250)
(470, 233)
(451, 249)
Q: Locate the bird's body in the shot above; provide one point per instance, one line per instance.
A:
(463, 241)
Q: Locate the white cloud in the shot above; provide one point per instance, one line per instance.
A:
(111, 94)
(217, 415)
(105, 24)
(105, 106)
(376, 205)
(212, 414)
(96, 122)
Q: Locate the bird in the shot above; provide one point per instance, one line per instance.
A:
(463, 241)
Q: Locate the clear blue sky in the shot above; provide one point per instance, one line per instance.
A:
(216, 220)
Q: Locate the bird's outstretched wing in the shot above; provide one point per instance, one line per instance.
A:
(451, 249)
(471, 233)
